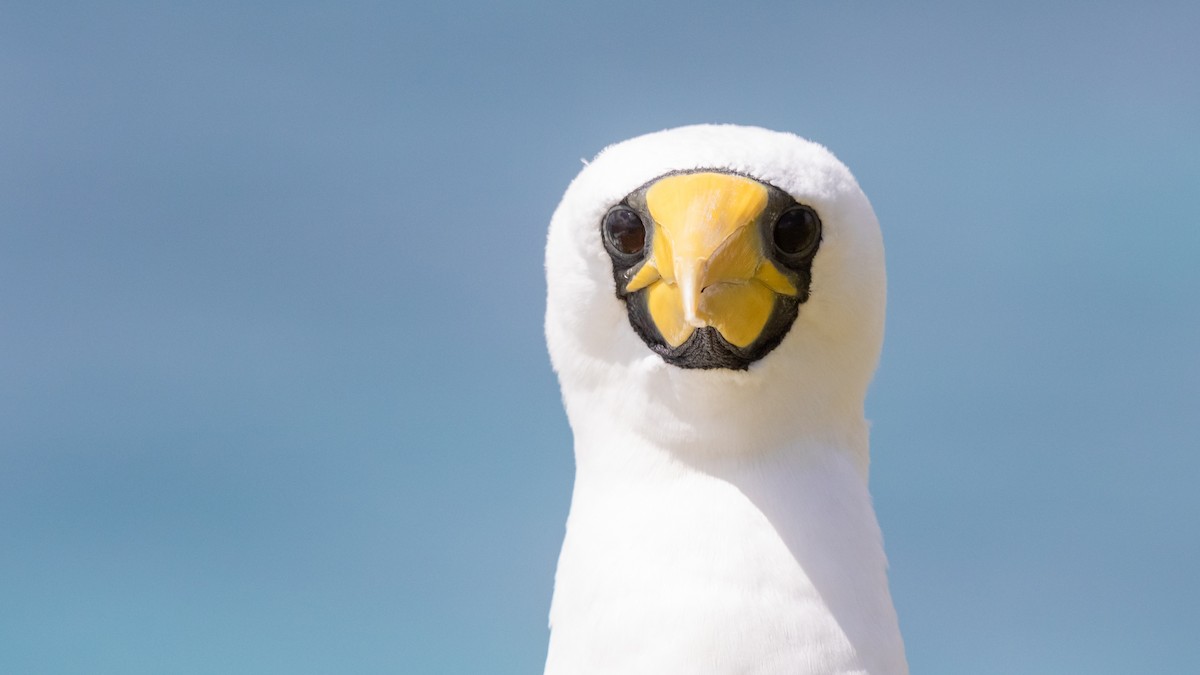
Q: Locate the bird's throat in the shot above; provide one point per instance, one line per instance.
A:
(777, 558)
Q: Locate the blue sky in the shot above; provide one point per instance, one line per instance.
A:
(273, 391)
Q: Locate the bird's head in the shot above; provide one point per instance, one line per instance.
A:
(709, 280)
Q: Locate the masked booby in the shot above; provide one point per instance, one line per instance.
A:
(715, 309)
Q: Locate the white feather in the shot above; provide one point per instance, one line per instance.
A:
(720, 521)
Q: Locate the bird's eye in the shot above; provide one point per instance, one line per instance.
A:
(624, 231)
(797, 231)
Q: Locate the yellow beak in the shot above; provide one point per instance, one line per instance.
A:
(707, 264)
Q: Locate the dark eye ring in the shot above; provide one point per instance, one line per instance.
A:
(624, 231)
(797, 232)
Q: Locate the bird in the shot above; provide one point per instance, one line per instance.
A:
(715, 299)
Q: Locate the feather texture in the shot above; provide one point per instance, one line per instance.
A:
(720, 521)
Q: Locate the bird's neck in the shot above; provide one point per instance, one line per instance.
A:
(765, 563)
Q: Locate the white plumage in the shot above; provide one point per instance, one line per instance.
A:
(720, 521)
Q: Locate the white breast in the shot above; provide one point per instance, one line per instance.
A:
(767, 566)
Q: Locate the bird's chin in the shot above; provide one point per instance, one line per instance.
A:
(706, 349)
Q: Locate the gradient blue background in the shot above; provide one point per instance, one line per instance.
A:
(273, 391)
